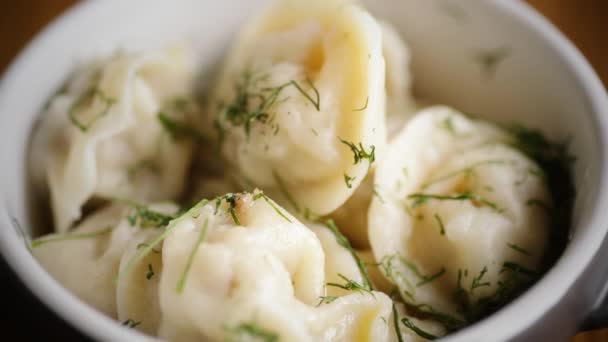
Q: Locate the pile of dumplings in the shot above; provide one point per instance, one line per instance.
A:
(306, 199)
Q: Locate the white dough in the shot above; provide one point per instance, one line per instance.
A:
(332, 47)
(443, 153)
(101, 137)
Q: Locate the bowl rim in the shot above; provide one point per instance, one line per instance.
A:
(522, 313)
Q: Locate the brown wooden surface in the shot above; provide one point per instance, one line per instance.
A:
(585, 22)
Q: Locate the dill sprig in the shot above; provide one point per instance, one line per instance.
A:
(69, 236)
(477, 200)
(396, 323)
(143, 252)
(253, 104)
(424, 334)
(250, 330)
(272, 204)
(477, 280)
(350, 285)
(467, 171)
(348, 180)
(326, 300)
(359, 152)
(343, 241)
(150, 273)
(490, 59)
(184, 277)
(555, 163)
(146, 217)
(518, 249)
(230, 199)
(440, 223)
(87, 98)
(129, 323)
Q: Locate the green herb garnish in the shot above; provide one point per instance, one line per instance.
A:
(129, 323)
(201, 236)
(87, 98)
(344, 243)
(250, 330)
(350, 285)
(272, 204)
(440, 223)
(518, 249)
(150, 273)
(359, 153)
(348, 180)
(410, 325)
(69, 236)
(477, 200)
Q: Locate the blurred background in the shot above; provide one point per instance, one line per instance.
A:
(585, 22)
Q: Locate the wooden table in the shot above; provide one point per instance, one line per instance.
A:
(585, 22)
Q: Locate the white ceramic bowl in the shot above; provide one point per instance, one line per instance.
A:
(542, 81)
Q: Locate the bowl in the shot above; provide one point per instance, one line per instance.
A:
(497, 59)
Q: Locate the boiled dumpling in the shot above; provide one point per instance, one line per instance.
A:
(117, 130)
(86, 261)
(462, 217)
(299, 108)
(237, 260)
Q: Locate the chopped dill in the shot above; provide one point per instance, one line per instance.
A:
(477, 200)
(314, 131)
(201, 236)
(364, 106)
(147, 249)
(147, 218)
(518, 249)
(87, 98)
(427, 279)
(129, 323)
(253, 104)
(350, 285)
(348, 180)
(272, 204)
(477, 280)
(230, 199)
(146, 245)
(396, 323)
(377, 194)
(326, 300)
(467, 171)
(410, 325)
(440, 223)
(359, 153)
(150, 273)
(69, 236)
(490, 60)
(343, 241)
(517, 268)
(247, 331)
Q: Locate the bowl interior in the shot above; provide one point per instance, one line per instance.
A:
(480, 57)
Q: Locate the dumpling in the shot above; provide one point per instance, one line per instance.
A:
(299, 107)
(86, 261)
(238, 260)
(463, 219)
(116, 130)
